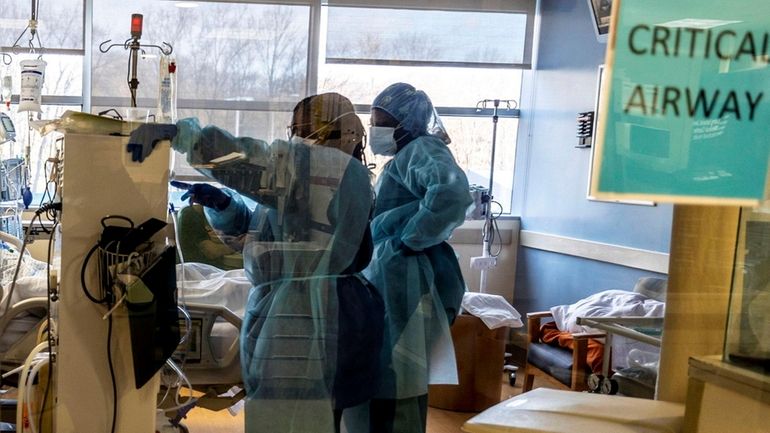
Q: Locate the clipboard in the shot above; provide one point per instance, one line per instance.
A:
(221, 161)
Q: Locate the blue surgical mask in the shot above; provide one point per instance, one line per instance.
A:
(381, 140)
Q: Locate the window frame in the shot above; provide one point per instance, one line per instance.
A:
(86, 101)
(512, 6)
(526, 7)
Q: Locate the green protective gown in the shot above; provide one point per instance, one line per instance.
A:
(421, 197)
(313, 326)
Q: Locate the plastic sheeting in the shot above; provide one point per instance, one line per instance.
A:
(493, 310)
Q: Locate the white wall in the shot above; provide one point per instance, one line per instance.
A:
(466, 241)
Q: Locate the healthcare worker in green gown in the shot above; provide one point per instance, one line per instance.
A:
(421, 196)
(313, 327)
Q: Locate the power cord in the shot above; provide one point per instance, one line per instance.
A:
(50, 336)
(112, 374)
(108, 300)
(491, 230)
(48, 207)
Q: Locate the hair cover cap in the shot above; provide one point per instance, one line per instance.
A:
(329, 118)
(413, 110)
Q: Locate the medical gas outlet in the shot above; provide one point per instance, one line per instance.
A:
(482, 263)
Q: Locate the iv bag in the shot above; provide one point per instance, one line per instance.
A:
(32, 75)
(167, 91)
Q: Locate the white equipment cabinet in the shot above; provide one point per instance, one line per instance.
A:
(99, 179)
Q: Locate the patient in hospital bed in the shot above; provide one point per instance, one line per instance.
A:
(645, 300)
(30, 281)
(201, 283)
(199, 242)
(19, 320)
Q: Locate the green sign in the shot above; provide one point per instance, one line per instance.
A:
(685, 113)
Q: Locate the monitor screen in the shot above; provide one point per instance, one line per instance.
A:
(601, 12)
(7, 125)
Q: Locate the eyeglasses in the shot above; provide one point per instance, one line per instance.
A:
(298, 126)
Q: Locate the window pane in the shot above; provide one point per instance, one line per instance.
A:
(63, 74)
(224, 51)
(420, 35)
(447, 87)
(41, 148)
(263, 125)
(60, 23)
(256, 124)
(472, 148)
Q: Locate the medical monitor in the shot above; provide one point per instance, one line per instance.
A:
(7, 130)
(601, 12)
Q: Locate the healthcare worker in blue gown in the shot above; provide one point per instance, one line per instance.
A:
(313, 327)
(421, 196)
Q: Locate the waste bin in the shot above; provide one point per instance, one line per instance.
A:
(480, 353)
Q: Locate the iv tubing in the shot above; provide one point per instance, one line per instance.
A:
(186, 381)
(183, 307)
(22, 388)
(28, 398)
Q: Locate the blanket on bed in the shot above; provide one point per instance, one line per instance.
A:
(607, 303)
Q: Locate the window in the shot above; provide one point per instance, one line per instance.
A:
(224, 51)
(368, 48)
(60, 34)
(60, 24)
(382, 36)
(243, 64)
(240, 66)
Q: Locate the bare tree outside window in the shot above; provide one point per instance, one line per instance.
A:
(225, 53)
(242, 66)
(60, 25)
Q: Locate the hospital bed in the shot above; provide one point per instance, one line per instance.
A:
(21, 324)
(28, 305)
(629, 324)
(214, 299)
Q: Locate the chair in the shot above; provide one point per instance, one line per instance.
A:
(561, 367)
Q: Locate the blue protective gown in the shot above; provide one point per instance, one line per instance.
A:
(313, 326)
(421, 196)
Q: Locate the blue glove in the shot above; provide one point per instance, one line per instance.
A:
(207, 195)
(144, 138)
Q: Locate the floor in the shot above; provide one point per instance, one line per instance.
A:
(439, 421)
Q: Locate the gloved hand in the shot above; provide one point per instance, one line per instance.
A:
(144, 138)
(207, 195)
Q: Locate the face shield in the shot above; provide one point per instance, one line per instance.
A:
(329, 119)
(413, 110)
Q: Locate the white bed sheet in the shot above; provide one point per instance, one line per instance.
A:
(205, 284)
(30, 283)
(610, 303)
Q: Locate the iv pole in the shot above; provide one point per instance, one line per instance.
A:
(488, 260)
(135, 46)
(25, 192)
